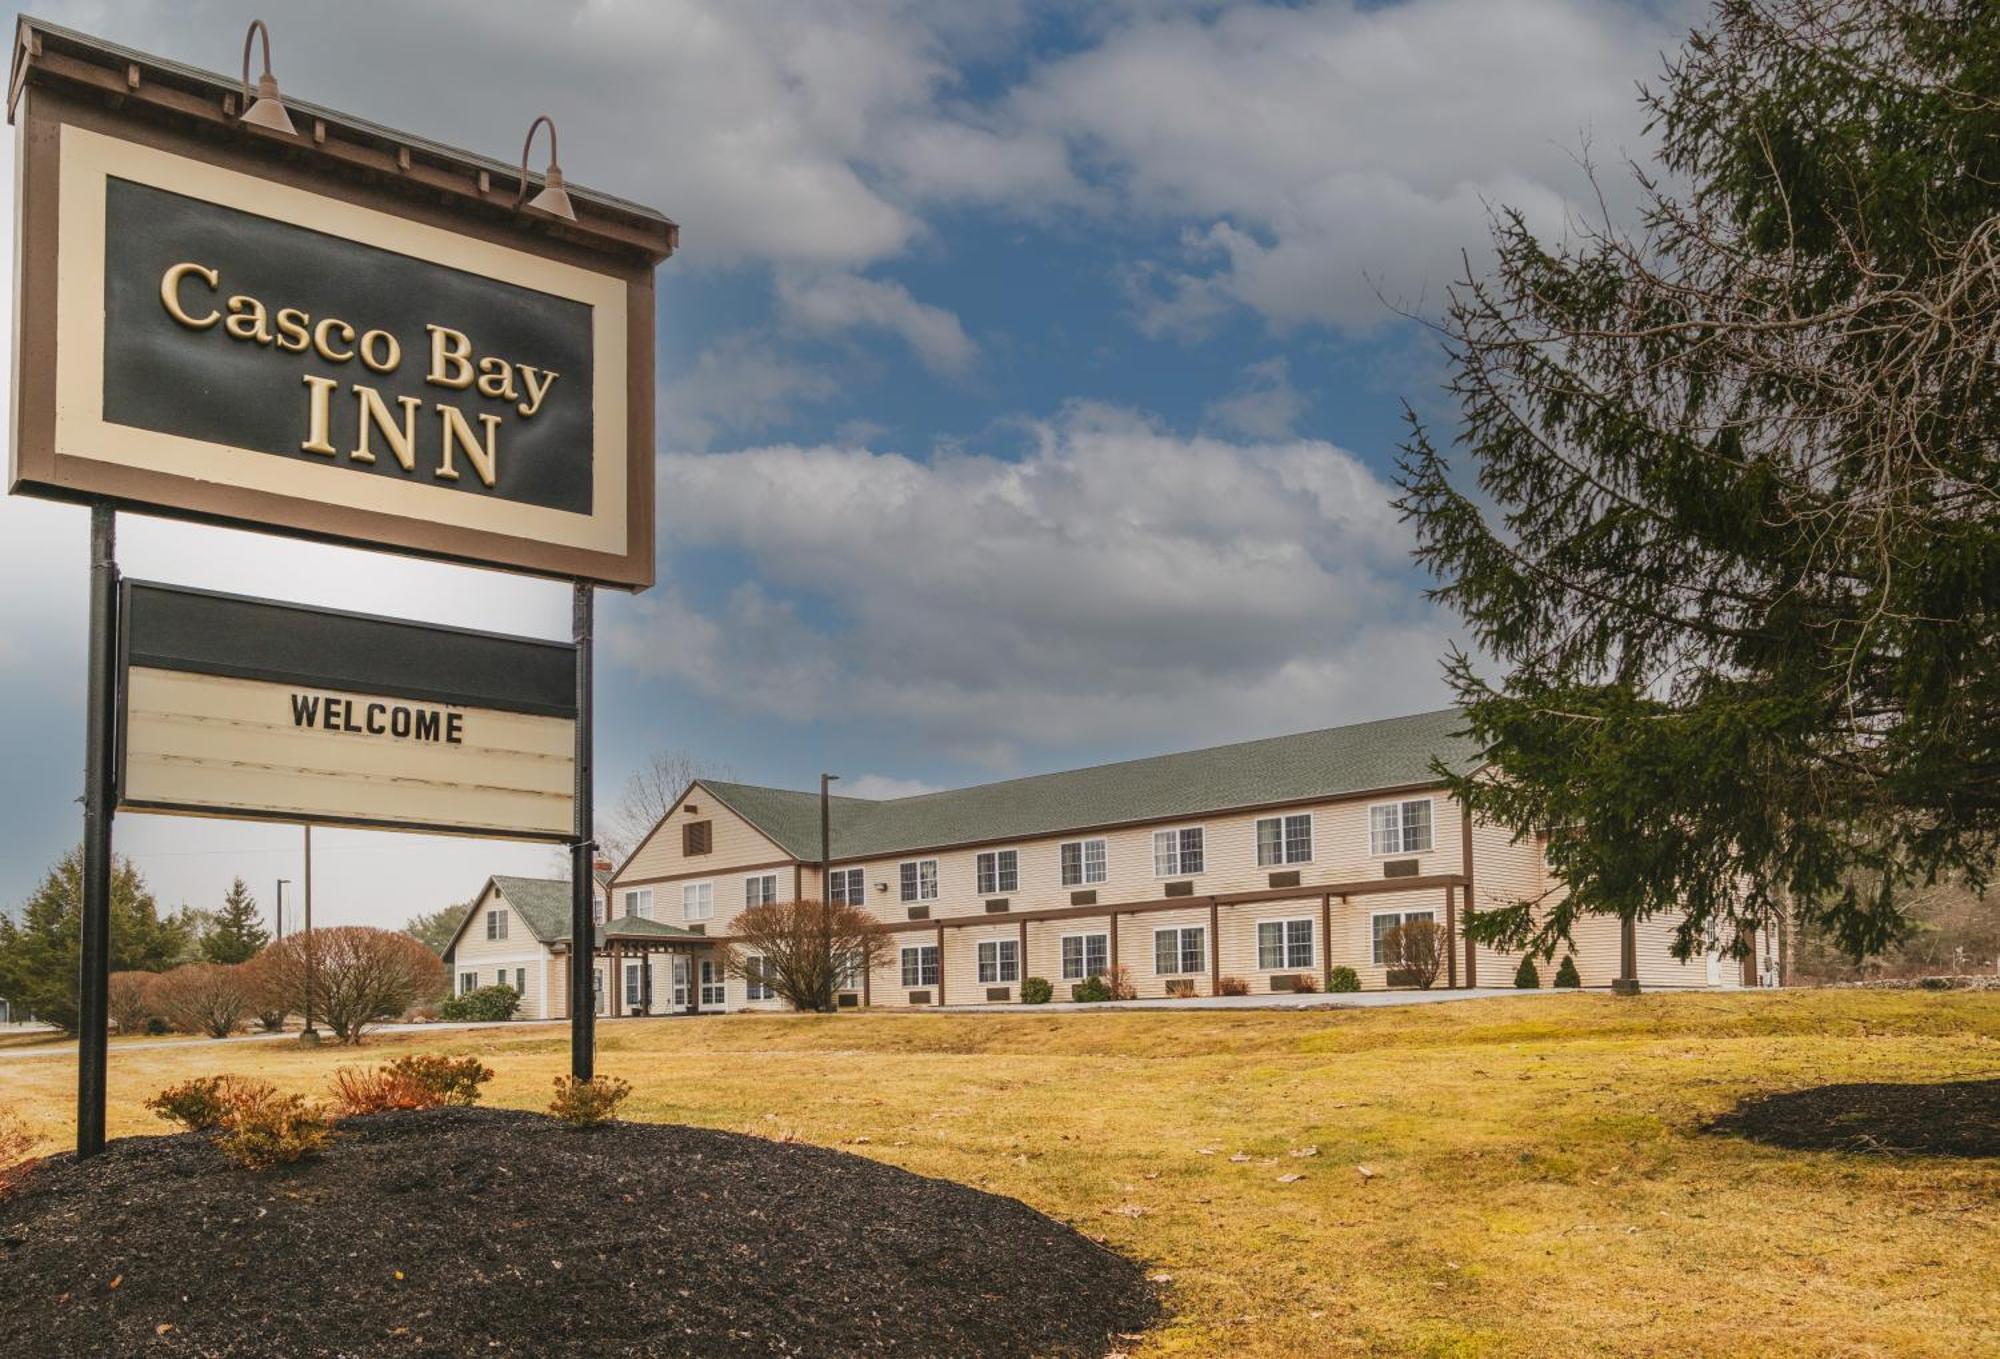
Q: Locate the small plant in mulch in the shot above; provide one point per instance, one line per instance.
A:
(272, 1130)
(15, 1141)
(201, 1104)
(1343, 979)
(1232, 986)
(1566, 974)
(1527, 977)
(585, 1104)
(378, 1091)
(456, 1080)
(1037, 991)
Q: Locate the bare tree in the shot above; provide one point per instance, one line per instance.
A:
(359, 976)
(210, 998)
(1417, 949)
(649, 795)
(129, 1004)
(805, 951)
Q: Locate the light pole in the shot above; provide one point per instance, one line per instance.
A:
(825, 881)
(278, 912)
(309, 1036)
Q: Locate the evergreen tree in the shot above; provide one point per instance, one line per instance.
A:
(1566, 975)
(436, 928)
(1735, 544)
(1527, 977)
(237, 931)
(40, 950)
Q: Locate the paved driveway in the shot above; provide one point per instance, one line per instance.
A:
(68, 1048)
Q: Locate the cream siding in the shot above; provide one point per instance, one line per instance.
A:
(735, 844)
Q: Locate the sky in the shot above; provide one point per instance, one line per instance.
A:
(1030, 379)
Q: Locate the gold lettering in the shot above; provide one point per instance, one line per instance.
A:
(320, 408)
(450, 358)
(382, 365)
(170, 293)
(536, 390)
(325, 348)
(247, 320)
(496, 378)
(402, 439)
(458, 433)
(292, 335)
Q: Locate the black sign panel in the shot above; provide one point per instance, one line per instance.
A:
(228, 327)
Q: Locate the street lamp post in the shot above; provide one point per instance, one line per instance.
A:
(278, 912)
(309, 1036)
(825, 882)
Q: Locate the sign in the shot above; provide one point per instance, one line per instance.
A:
(244, 329)
(253, 708)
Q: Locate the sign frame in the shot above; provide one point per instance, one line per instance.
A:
(64, 80)
(351, 635)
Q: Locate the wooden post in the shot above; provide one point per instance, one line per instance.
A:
(1214, 948)
(1326, 936)
(940, 947)
(1450, 939)
(1021, 965)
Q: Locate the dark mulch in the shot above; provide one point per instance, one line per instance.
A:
(516, 1235)
(1953, 1118)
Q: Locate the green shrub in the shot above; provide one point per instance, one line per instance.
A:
(205, 1101)
(585, 1104)
(454, 1080)
(1566, 974)
(265, 1129)
(1037, 991)
(1343, 978)
(485, 1005)
(1091, 988)
(1526, 978)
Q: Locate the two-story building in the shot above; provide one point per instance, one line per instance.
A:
(1263, 861)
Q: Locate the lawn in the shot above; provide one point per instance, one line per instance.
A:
(1540, 1183)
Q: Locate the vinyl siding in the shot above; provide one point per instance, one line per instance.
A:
(476, 953)
(735, 844)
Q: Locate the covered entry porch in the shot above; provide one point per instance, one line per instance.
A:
(643, 967)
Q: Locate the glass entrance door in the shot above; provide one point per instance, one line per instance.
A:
(714, 994)
(680, 976)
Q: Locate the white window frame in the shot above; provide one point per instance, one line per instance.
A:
(910, 880)
(1402, 829)
(597, 988)
(1179, 868)
(599, 906)
(854, 886)
(1283, 822)
(755, 987)
(1287, 945)
(633, 984)
(468, 982)
(999, 888)
(496, 922)
(753, 889)
(1401, 918)
(714, 985)
(1084, 864)
(638, 902)
(933, 965)
(697, 901)
(998, 961)
(1181, 950)
(1083, 954)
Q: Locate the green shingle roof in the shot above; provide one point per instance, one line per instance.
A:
(544, 904)
(1334, 762)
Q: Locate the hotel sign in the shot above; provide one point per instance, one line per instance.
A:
(226, 331)
(252, 708)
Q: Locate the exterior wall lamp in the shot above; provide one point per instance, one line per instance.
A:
(267, 110)
(553, 199)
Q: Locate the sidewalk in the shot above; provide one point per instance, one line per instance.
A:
(68, 1048)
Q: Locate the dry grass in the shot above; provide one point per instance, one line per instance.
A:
(1540, 1185)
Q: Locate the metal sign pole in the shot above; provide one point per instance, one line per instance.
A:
(583, 856)
(100, 721)
(309, 1035)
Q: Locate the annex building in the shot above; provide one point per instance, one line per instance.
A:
(1265, 861)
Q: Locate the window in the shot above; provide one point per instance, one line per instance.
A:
(521, 981)
(596, 909)
(760, 890)
(999, 961)
(1082, 861)
(1085, 955)
(697, 901)
(1284, 943)
(697, 837)
(1180, 951)
(920, 966)
(999, 871)
(1400, 827)
(467, 982)
(597, 988)
(847, 887)
(920, 880)
(847, 972)
(1389, 921)
(1177, 852)
(754, 985)
(639, 902)
(714, 990)
(1284, 840)
(496, 924)
(634, 980)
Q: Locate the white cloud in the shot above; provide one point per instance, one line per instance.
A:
(741, 385)
(1322, 153)
(884, 786)
(837, 303)
(1118, 583)
(1265, 405)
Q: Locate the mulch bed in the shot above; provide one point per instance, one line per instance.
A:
(516, 1235)
(1953, 1118)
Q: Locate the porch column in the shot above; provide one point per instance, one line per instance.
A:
(1214, 948)
(694, 982)
(1451, 939)
(1325, 937)
(940, 964)
(1021, 975)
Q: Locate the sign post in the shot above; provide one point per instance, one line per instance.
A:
(280, 317)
